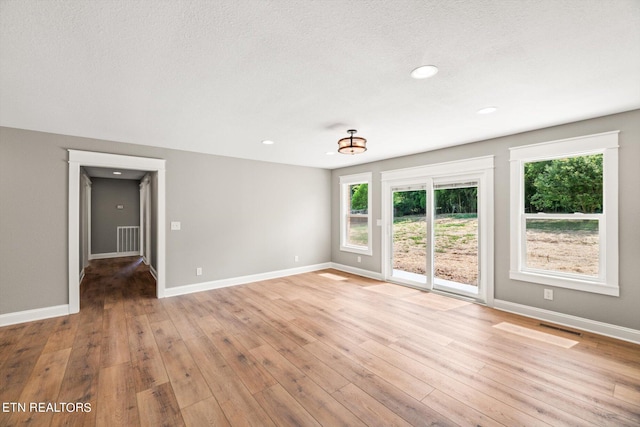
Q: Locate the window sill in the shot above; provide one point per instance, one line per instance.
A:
(567, 283)
(357, 250)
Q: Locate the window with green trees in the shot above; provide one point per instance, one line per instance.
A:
(568, 185)
(355, 224)
(564, 213)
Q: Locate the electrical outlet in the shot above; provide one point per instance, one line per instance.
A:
(548, 294)
(175, 225)
(296, 259)
(199, 271)
(359, 259)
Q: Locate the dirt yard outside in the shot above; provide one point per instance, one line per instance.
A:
(456, 248)
(568, 251)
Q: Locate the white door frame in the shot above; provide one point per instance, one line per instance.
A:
(388, 188)
(145, 219)
(482, 170)
(88, 158)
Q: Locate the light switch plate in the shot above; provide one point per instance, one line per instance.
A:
(175, 225)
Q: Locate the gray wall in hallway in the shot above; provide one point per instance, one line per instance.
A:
(106, 195)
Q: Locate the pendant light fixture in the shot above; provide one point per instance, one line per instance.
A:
(352, 144)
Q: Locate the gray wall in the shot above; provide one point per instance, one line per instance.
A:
(106, 194)
(239, 217)
(623, 310)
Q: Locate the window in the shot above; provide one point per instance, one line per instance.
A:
(564, 213)
(355, 218)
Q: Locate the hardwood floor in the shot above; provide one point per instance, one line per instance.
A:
(307, 350)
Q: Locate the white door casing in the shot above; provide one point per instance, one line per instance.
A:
(88, 158)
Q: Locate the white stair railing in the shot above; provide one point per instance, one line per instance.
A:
(128, 238)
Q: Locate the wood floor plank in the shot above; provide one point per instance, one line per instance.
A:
(408, 408)
(158, 407)
(80, 383)
(365, 407)
(115, 343)
(10, 337)
(458, 411)
(581, 410)
(252, 374)
(435, 301)
(429, 352)
(165, 334)
(16, 370)
(187, 382)
(117, 404)
(205, 413)
(393, 290)
(283, 409)
(209, 325)
(148, 368)
(497, 402)
(319, 372)
(324, 408)
(411, 385)
(42, 386)
(77, 418)
(186, 326)
(237, 403)
(536, 335)
(64, 334)
(627, 393)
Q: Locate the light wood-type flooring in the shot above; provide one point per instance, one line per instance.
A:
(323, 348)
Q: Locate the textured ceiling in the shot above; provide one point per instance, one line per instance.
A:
(220, 76)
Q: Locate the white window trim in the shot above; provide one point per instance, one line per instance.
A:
(603, 143)
(345, 182)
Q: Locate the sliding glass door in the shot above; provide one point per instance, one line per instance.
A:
(438, 228)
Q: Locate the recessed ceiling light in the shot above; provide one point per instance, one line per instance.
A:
(487, 110)
(267, 142)
(424, 72)
(117, 173)
(330, 153)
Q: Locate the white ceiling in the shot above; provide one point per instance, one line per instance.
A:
(220, 76)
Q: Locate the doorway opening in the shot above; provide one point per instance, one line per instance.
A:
(79, 159)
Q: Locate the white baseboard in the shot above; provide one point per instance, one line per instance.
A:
(358, 271)
(35, 314)
(153, 272)
(113, 255)
(606, 329)
(223, 283)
